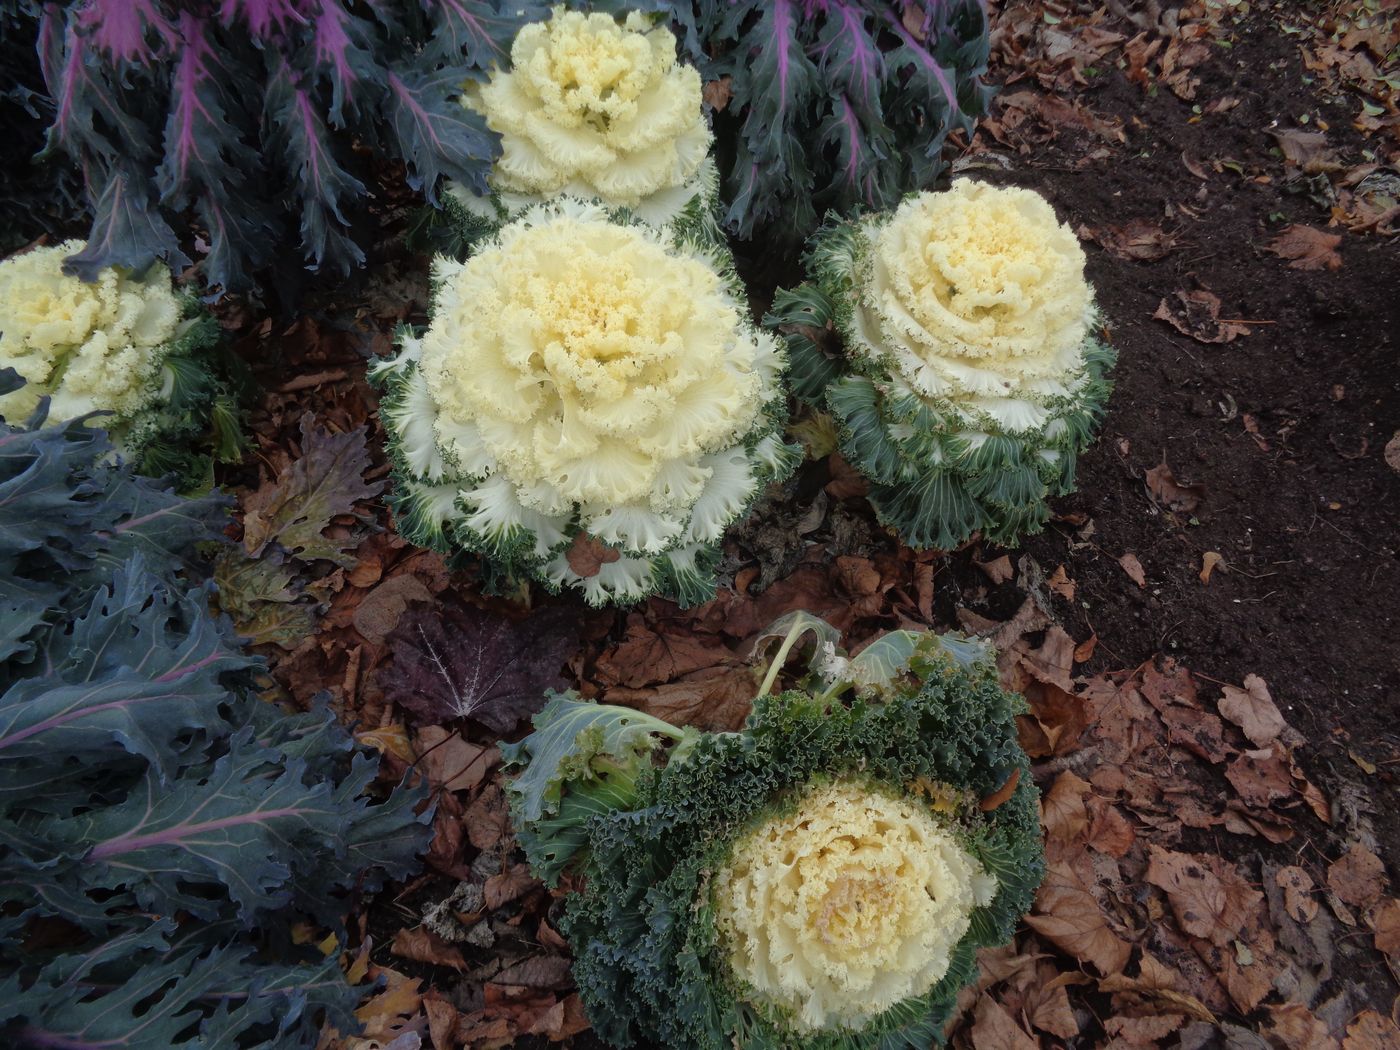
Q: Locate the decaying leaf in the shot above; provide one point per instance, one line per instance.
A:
(1358, 877)
(453, 661)
(1197, 314)
(1392, 452)
(1133, 567)
(1068, 916)
(295, 508)
(1139, 240)
(1253, 710)
(423, 945)
(1210, 561)
(1307, 248)
(1173, 494)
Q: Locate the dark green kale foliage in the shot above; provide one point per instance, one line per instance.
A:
(160, 825)
(835, 104)
(645, 827)
(257, 117)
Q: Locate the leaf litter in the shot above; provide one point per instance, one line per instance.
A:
(1180, 911)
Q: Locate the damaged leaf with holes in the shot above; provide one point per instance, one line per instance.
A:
(893, 775)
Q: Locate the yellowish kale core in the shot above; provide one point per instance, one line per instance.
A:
(977, 292)
(847, 906)
(592, 363)
(89, 346)
(594, 108)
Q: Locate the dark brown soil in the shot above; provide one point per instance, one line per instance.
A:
(1306, 512)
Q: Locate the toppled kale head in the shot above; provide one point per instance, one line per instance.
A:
(821, 878)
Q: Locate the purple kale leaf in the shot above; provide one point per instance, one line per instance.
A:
(456, 661)
(168, 108)
(823, 90)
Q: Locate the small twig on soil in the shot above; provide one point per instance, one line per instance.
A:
(1241, 320)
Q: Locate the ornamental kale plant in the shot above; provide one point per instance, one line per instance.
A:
(249, 113)
(834, 104)
(821, 878)
(968, 375)
(126, 345)
(596, 109)
(161, 827)
(590, 406)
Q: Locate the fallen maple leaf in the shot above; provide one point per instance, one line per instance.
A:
(1307, 248)
(1134, 569)
(1358, 877)
(1173, 494)
(452, 660)
(1136, 239)
(1253, 710)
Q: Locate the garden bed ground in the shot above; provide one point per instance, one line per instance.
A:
(1219, 873)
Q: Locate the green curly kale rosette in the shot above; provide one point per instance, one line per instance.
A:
(970, 376)
(596, 108)
(820, 879)
(590, 407)
(126, 344)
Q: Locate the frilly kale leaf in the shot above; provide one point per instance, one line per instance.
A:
(141, 776)
(929, 720)
(583, 759)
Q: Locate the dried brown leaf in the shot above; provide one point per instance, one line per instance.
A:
(1370, 1031)
(1134, 569)
(1358, 877)
(1197, 314)
(992, 1026)
(1307, 248)
(423, 945)
(1253, 710)
(1068, 916)
(1173, 494)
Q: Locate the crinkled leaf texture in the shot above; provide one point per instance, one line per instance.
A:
(167, 107)
(175, 823)
(835, 105)
(647, 961)
(453, 660)
(939, 470)
(459, 502)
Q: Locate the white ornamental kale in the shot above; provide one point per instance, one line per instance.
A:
(971, 376)
(126, 344)
(847, 906)
(590, 407)
(595, 109)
